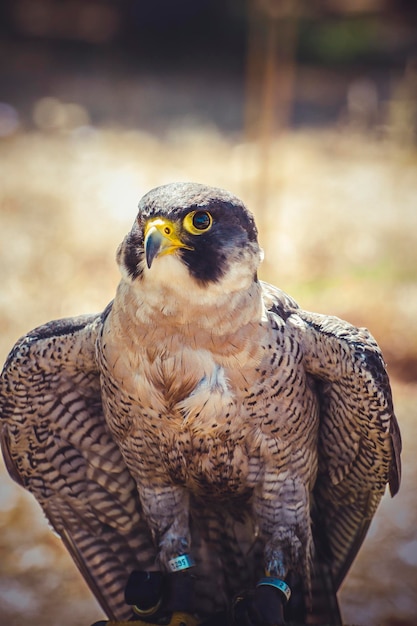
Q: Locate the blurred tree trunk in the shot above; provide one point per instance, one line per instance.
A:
(270, 73)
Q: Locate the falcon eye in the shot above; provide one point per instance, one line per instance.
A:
(201, 220)
(198, 222)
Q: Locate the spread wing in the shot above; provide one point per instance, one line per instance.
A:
(56, 445)
(359, 438)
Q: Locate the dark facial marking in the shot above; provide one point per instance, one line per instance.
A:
(230, 232)
(132, 251)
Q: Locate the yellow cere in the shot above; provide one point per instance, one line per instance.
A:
(165, 227)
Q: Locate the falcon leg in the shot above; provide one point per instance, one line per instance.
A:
(166, 508)
(281, 508)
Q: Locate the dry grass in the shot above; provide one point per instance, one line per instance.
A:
(339, 226)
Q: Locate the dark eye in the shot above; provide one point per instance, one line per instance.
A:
(198, 222)
(202, 220)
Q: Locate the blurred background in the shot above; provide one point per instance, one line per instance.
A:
(307, 110)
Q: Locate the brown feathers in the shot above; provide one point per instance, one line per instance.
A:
(203, 412)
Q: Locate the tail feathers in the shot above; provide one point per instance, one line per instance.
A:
(227, 554)
(323, 607)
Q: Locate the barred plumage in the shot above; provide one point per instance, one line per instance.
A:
(203, 412)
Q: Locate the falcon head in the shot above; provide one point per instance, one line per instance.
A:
(189, 235)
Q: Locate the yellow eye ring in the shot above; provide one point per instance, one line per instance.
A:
(198, 222)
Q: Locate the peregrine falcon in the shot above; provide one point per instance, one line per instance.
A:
(209, 452)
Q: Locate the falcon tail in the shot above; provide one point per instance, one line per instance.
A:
(324, 604)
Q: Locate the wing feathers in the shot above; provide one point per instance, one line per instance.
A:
(395, 468)
(56, 444)
(359, 438)
(359, 442)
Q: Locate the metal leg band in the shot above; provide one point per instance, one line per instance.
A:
(180, 563)
(279, 584)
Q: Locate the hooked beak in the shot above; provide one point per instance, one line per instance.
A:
(161, 238)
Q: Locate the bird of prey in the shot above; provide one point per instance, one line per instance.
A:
(206, 449)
